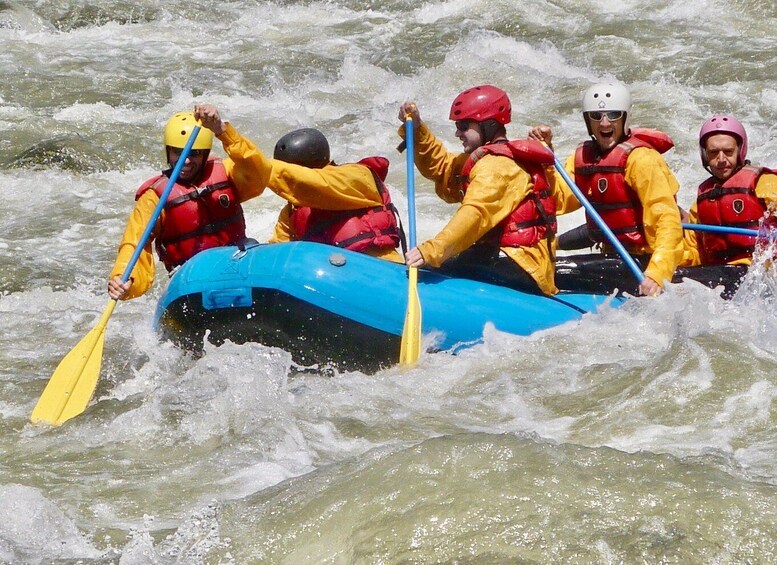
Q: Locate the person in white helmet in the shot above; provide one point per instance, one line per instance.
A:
(621, 171)
(737, 194)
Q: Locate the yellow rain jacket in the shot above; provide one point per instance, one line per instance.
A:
(765, 189)
(497, 186)
(656, 186)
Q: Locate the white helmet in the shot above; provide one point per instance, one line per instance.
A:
(605, 97)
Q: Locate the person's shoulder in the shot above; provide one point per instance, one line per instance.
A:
(647, 155)
(343, 168)
(497, 166)
(494, 160)
(768, 176)
(768, 172)
(151, 183)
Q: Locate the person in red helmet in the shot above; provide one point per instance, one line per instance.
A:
(737, 194)
(621, 171)
(506, 195)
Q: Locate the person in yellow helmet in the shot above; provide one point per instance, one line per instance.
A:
(202, 211)
(621, 171)
(503, 230)
(344, 205)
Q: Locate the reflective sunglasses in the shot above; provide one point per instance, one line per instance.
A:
(463, 125)
(612, 115)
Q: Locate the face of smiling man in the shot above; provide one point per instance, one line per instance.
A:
(191, 167)
(606, 131)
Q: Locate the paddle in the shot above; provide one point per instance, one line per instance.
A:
(410, 349)
(725, 229)
(629, 260)
(72, 385)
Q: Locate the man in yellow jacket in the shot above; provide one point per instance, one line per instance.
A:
(737, 194)
(202, 211)
(344, 205)
(627, 181)
(507, 204)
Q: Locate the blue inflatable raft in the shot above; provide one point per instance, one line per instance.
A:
(330, 306)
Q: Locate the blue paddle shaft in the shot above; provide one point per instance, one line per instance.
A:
(628, 259)
(723, 229)
(161, 204)
(410, 143)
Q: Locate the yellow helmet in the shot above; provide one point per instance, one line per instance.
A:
(179, 128)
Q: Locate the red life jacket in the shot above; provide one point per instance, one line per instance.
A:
(534, 218)
(602, 179)
(733, 203)
(198, 216)
(358, 229)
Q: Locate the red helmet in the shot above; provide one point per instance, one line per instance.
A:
(482, 103)
(720, 123)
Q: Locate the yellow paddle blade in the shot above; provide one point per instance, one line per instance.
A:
(72, 385)
(410, 349)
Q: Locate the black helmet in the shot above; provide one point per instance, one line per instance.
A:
(307, 147)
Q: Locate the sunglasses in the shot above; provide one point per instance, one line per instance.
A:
(462, 125)
(193, 153)
(612, 115)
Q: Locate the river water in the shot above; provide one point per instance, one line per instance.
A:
(642, 434)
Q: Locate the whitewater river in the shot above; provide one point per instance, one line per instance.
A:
(644, 434)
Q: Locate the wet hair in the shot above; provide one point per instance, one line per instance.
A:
(490, 130)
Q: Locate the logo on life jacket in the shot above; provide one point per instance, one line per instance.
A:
(738, 205)
(602, 185)
(224, 201)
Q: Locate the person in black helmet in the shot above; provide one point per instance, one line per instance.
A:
(346, 205)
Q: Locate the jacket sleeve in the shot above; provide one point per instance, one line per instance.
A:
(246, 165)
(437, 164)
(648, 174)
(691, 255)
(283, 231)
(497, 186)
(767, 190)
(142, 275)
(335, 187)
(566, 201)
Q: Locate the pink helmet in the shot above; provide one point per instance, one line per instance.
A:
(482, 103)
(720, 123)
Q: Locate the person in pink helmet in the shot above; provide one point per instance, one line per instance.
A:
(624, 176)
(737, 194)
(505, 192)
